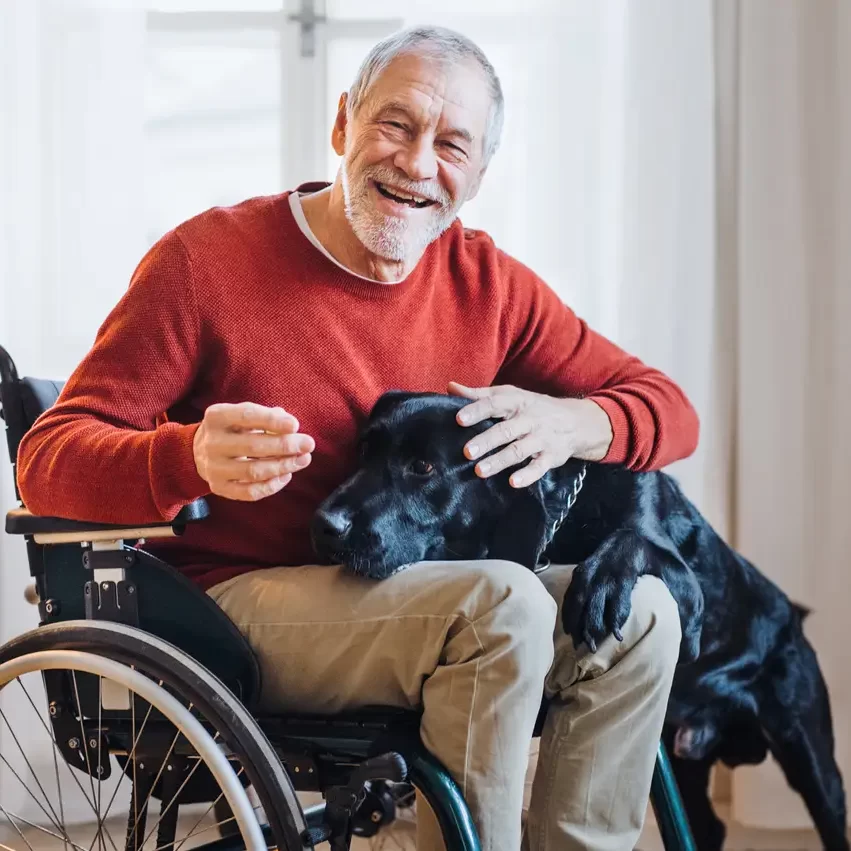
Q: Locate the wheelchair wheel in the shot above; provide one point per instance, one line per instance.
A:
(101, 723)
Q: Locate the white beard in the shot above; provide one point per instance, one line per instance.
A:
(388, 236)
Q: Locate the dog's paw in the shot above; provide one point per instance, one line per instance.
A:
(597, 604)
(689, 598)
(690, 641)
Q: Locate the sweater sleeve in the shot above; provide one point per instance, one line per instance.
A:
(99, 453)
(555, 352)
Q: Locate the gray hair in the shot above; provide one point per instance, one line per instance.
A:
(445, 45)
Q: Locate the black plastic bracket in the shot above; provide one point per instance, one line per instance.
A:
(108, 599)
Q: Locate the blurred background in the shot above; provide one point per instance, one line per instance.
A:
(680, 172)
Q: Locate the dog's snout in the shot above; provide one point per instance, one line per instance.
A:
(332, 525)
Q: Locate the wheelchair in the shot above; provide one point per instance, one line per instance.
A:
(146, 695)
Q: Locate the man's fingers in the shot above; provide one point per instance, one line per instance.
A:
(254, 491)
(498, 435)
(457, 389)
(512, 455)
(245, 445)
(530, 474)
(249, 471)
(249, 416)
(478, 411)
(499, 402)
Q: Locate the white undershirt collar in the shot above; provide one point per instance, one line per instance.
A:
(304, 227)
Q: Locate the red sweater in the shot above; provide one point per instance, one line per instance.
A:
(237, 304)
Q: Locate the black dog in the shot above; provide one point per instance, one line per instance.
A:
(748, 683)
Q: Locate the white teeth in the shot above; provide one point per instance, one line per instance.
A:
(403, 195)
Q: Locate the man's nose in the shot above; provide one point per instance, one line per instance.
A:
(417, 159)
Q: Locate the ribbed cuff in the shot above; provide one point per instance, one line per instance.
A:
(171, 467)
(619, 448)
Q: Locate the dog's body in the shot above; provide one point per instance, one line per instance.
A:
(755, 686)
(749, 684)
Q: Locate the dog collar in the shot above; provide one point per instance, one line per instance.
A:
(541, 566)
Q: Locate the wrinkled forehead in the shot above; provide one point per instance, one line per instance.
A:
(448, 97)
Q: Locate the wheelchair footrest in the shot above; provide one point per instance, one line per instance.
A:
(342, 802)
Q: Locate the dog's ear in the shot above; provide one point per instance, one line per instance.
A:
(801, 611)
(523, 531)
(388, 400)
(519, 535)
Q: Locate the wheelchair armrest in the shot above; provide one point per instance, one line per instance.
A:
(57, 530)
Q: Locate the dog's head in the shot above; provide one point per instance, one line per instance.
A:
(416, 496)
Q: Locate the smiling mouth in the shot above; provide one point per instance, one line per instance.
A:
(401, 197)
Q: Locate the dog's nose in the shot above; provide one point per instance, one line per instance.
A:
(331, 525)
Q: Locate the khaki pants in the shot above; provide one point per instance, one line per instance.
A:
(475, 644)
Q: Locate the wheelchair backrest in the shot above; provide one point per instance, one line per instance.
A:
(22, 401)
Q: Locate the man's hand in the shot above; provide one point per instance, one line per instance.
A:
(247, 451)
(536, 426)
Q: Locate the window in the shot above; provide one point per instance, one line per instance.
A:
(241, 99)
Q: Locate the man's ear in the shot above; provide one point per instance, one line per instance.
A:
(338, 132)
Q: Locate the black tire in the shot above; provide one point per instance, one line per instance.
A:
(190, 681)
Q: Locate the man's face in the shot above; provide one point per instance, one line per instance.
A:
(412, 153)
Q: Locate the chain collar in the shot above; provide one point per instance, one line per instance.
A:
(541, 566)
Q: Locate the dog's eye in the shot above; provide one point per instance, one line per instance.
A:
(422, 468)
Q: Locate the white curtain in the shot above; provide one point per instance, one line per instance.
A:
(704, 219)
(71, 106)
(786, 181)
(71, 91)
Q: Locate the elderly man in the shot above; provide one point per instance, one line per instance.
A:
(250, 345)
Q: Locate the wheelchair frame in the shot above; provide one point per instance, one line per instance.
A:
(96, 572)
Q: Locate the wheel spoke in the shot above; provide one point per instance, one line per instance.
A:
(164, 810)
(30, 793)
(100, 766)
(20, 832)
(59, 792)
(39, 827)
(204, 815)
(157, 778)
(100, 818)
(32, 771)
(55, 749)
(84, 744)
(131, 757)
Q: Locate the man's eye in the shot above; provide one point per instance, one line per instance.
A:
(422, 468)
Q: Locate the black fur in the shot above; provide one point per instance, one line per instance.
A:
(748, 684)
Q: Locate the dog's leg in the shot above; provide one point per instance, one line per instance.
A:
(810, 769)
(597, 602)
(795, 714)
(693, 776)
(693, 780)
